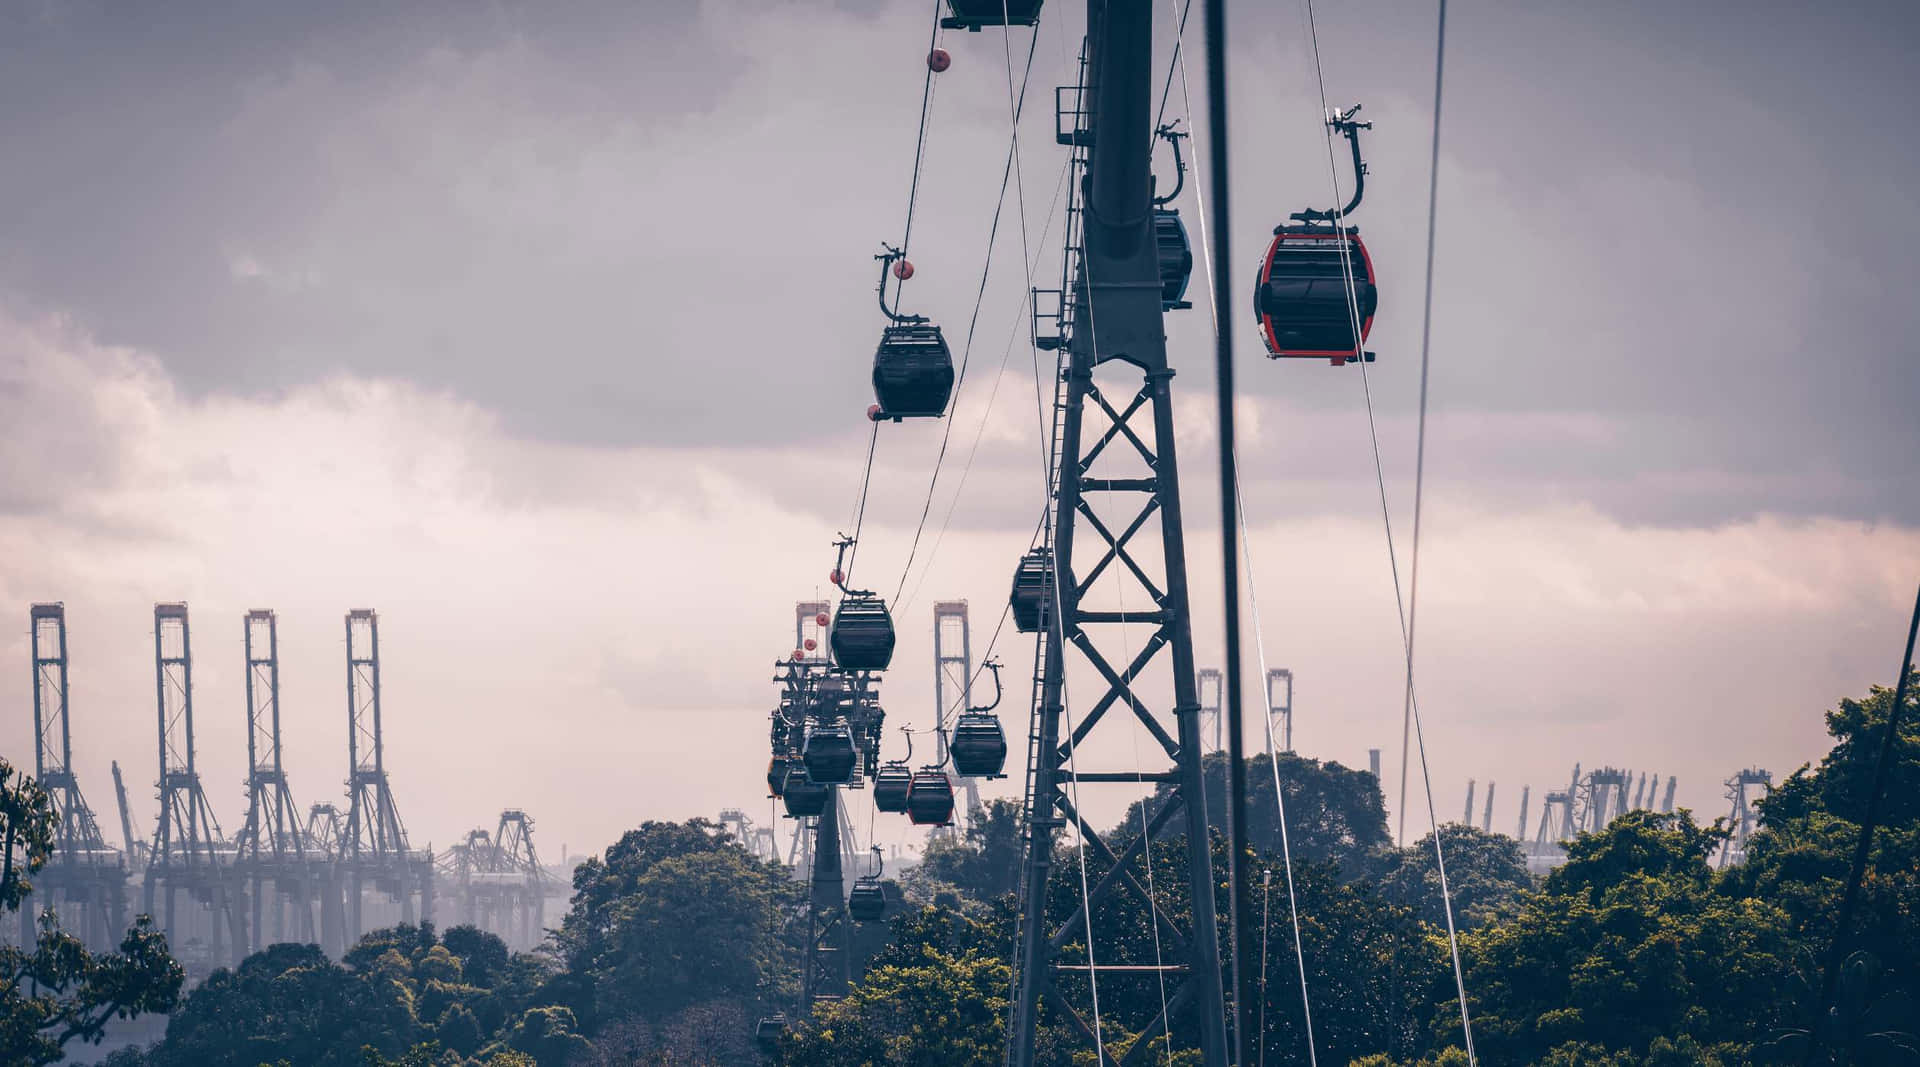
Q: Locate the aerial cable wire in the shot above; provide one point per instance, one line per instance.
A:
(1058, 627)
(920, 138)
(1008, 172)
(1401, 601)
(1864, 846)
(1253, 606)
(1216, 45)
(979, 430)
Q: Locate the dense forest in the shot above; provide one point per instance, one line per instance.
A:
(1634, 952)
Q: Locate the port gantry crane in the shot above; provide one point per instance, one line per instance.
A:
(1112, 330)
(284, 878)
(85, 878)
(188, 852)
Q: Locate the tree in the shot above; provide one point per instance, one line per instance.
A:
(1486, 873)
(985, 862)
(55, 992)
(1629, 942)
(1334, 814)
(935, 1010)
(677, 914)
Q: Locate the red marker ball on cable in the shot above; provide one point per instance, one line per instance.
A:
(903, 270)
(938, 60)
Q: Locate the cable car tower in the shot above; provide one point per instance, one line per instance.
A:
(952, 681)
(85, 879)
(374, 844)
(188, 851)
(1113, 329)
(270, 853)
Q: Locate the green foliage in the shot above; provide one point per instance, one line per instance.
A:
(1334, 814)
(1628, 942)
(59, 993)
(400, 994)
(938, 1009)
(55, 992)
(676, 915)
(983, 864)
(1486, 873)
(26, 830)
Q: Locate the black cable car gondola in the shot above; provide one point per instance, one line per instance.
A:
(868, 901)
(803, 796)
(973, 14)
(912, 367)
(777, 774)
(829, 755)
(766, 1033)
(862, 636)
(1032, 591)
(979, 745)
(1302, 301)
(930, 798)
(1175, 252)
(1172, 247)
(890, 784)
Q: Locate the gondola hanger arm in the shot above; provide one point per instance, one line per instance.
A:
(1345, 125)
(994, 666)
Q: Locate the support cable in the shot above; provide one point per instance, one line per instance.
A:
(1238, 903)
(1875, 801)
(1401, 601)
(1259, 633)
(1009, 172)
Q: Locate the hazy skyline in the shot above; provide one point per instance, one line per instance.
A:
(544, 332)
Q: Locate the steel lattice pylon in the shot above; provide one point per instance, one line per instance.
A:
(85, 879)
(1116, 327)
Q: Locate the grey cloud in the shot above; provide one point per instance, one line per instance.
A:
(649, 224)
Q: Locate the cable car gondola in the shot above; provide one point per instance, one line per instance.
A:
(862, 636)
(973, 14)
(930, 798)
(1172, 248)
(1175, 252)
(1032, 591)
(868, 901)
(912, 367)
(829, 755)
(766, 1033)
(777, 774)
(890, 785)
(803, 796)
(979, 745)
(912, 372)
(1302, 301)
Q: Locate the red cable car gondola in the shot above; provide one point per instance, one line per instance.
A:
(930, 798)
(1303, 302)
(973, 14)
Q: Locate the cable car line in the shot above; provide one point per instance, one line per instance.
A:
(920, 138)
(1260, 640)
(986, 268)
(1406, 636)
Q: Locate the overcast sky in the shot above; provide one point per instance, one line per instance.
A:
(545, 329)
